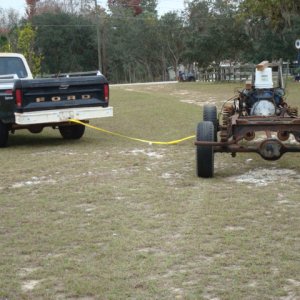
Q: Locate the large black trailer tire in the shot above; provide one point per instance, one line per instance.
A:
(72, 132)
(205, 154)
(3, 135)
(210, 114)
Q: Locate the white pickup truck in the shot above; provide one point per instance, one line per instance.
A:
(27, 103)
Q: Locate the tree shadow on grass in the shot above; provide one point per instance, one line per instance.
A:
(37, 140)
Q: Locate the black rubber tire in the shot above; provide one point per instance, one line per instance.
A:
(210, 114)
(72, 132)
(205, 154)
(3, 135)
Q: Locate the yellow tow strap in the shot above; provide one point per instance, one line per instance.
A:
(132, 138)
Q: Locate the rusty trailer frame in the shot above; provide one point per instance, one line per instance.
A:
(257, 119)
(244, 130)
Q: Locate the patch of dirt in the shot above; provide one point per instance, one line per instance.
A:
(289, 288)
(34, 181)
(209, 296)
(198, 98)
(153, 251)
(264, 177)
(171, 175)
(177, 292)
(86, 207)
(234, 228)
(27, 271)
(149, 153)
(294, 282)
(209, 100)
(253, 284)
(29, 285)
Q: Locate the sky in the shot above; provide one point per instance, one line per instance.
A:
(163, 5)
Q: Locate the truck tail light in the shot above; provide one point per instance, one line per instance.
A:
(19, 98)
(106, 92)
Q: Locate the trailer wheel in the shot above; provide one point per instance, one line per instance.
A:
(3, 135)
(72, 132)
(210, 114)
(205, 154)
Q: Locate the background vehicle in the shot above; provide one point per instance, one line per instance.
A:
(27, 103)
(258, 119)
(184, 76)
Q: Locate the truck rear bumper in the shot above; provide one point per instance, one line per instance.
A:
(62, 115)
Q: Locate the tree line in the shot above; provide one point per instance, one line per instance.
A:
(131, 42)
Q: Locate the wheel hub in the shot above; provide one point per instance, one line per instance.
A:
(271, 149)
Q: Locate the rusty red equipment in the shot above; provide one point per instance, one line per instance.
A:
(257, 119)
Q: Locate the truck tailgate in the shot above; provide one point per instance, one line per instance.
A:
(60, 93)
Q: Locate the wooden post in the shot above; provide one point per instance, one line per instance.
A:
(98, 36)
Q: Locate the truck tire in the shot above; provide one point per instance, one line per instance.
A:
(72, 132)
(205, 154)
(210, 114)
(3, 135)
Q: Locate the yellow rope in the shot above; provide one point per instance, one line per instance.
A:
(132, 138)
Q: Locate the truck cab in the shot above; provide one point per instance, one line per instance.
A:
(13, 66)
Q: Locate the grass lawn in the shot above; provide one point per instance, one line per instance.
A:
(110, 218)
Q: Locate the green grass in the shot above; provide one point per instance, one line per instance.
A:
(109, 218)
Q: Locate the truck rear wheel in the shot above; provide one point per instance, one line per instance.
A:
(72, 132)
(3, 135)
(210, 114)
(205, 154)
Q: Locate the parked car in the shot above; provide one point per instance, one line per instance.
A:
(186, 76)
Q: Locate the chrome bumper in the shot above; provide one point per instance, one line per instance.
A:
(62, 115)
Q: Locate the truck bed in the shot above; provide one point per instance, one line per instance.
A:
(34, 101)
